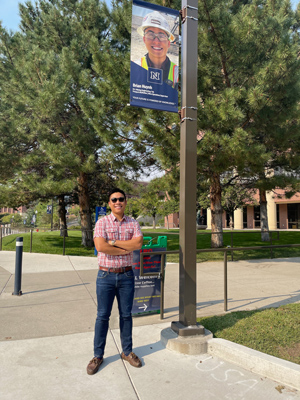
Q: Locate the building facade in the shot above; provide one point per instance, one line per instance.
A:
(8, 210)
(283, 213)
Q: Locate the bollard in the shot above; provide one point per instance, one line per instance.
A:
(18, 267)
(225, 283)
(30, 240)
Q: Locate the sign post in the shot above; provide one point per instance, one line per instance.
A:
(187, 324)
(154, 84)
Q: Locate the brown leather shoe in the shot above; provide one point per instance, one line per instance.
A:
(132, 359)
(94, 365)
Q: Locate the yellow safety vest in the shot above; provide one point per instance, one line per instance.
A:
(171, 75)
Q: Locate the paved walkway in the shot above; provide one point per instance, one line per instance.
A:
(46, 335)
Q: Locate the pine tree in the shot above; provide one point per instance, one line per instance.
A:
(248, 86)
(52, 74)
(69, 117)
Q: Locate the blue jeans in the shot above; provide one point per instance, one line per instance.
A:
(109, 286)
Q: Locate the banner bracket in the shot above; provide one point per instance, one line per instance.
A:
(184, 15)
(188, 118)
(182, 113)
(192, 108)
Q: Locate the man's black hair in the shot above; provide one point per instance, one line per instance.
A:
(116, 190)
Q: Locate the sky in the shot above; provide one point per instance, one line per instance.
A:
(9, 13)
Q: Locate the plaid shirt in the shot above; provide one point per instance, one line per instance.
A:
(110, 228)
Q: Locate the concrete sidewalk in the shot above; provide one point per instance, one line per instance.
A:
(47, 333)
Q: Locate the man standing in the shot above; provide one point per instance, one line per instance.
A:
(116, 237)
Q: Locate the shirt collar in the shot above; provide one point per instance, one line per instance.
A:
(115, 219)
(164, 65)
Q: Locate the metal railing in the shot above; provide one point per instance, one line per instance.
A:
(224, 250)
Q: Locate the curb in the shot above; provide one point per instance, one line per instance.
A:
(282, 371)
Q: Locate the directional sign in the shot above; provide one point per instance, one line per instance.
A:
(147, 288)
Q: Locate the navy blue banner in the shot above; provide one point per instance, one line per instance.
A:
(154, 74)
(149, 91)
(155, 7)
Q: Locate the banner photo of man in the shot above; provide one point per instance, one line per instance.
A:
(154, 73)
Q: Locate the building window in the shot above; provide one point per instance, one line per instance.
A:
(256, 216)
(294, 216)
(245, 218)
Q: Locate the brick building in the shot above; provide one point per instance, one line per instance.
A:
(283, 213)
(7, 210)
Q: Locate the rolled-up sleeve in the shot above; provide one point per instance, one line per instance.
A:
(99, 229)
(137, 230)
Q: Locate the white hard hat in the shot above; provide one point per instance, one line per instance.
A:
(155, 20)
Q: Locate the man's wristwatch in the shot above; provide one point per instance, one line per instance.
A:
(113, 242)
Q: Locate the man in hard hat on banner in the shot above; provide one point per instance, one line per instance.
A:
(157, 37)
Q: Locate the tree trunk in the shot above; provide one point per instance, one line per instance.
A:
(153, 225)
(264, 225)
(62, 216)
(84, 211)
(216, 212)
(231, 221)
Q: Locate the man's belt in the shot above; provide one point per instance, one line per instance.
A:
(119, 270)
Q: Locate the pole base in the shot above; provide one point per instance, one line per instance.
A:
(192, 330)
(190, 345)
(17, 294)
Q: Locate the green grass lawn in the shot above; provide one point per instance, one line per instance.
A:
(274, 331)
(49, 243)
(52, 243)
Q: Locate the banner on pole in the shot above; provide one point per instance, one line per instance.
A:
(154, 71)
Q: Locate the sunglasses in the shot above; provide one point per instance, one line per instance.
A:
(115, 199)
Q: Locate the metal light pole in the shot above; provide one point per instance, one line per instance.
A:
(187, 325)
